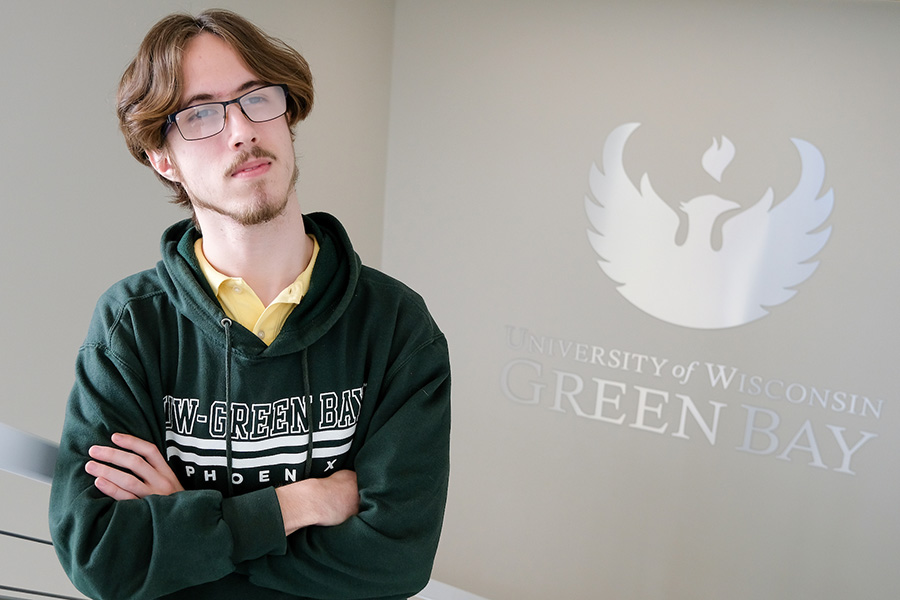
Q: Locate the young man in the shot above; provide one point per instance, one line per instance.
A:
(260, 416)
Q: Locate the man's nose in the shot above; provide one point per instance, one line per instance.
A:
(239, 128)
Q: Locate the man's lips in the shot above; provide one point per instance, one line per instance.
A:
(252, 168)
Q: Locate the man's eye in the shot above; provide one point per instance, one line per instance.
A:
(253, 100)
(201, 113)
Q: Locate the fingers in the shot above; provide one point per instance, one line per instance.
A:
(140, 471)
(145, 449)
(112, 490)
(136, 470)
(116, 484)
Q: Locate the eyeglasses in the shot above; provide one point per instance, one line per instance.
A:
(206, 120)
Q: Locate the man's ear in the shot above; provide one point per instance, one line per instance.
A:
(162, 164)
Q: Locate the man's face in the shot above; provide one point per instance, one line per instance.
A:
(247, 172)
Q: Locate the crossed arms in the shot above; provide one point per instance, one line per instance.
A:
(135, 469)
(369, 532)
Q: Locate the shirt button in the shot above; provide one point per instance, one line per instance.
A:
(261, 334)
(237, 289)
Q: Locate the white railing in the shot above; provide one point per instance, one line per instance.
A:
(435, 590)
(26, 455)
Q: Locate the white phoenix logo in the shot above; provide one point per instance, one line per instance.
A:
(764, 252)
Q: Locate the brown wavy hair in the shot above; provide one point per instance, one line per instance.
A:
(151, 87)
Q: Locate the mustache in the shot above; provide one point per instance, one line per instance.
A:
(255, 152)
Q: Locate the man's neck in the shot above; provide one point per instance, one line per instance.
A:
(268, 256)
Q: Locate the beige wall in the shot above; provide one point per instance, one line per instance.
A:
(563, 486)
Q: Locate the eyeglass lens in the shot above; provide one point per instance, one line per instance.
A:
(206, 120)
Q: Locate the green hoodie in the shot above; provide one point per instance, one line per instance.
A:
(358, 378)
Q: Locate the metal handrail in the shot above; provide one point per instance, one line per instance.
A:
(16, 590)
(25, 537)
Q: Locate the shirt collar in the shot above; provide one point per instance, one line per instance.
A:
(292, 294)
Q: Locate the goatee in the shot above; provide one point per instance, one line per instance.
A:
(261, 208)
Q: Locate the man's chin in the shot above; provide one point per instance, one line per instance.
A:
(261, 211)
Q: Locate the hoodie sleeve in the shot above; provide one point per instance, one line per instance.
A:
(402, 468)
(156, 545)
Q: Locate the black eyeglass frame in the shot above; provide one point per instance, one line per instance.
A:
(171, 119)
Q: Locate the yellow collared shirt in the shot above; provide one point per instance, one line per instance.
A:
(242, 305)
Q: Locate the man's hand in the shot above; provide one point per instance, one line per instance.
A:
(328, 501)
(150, 473)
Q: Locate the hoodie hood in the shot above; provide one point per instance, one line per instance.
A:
(331, 288)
